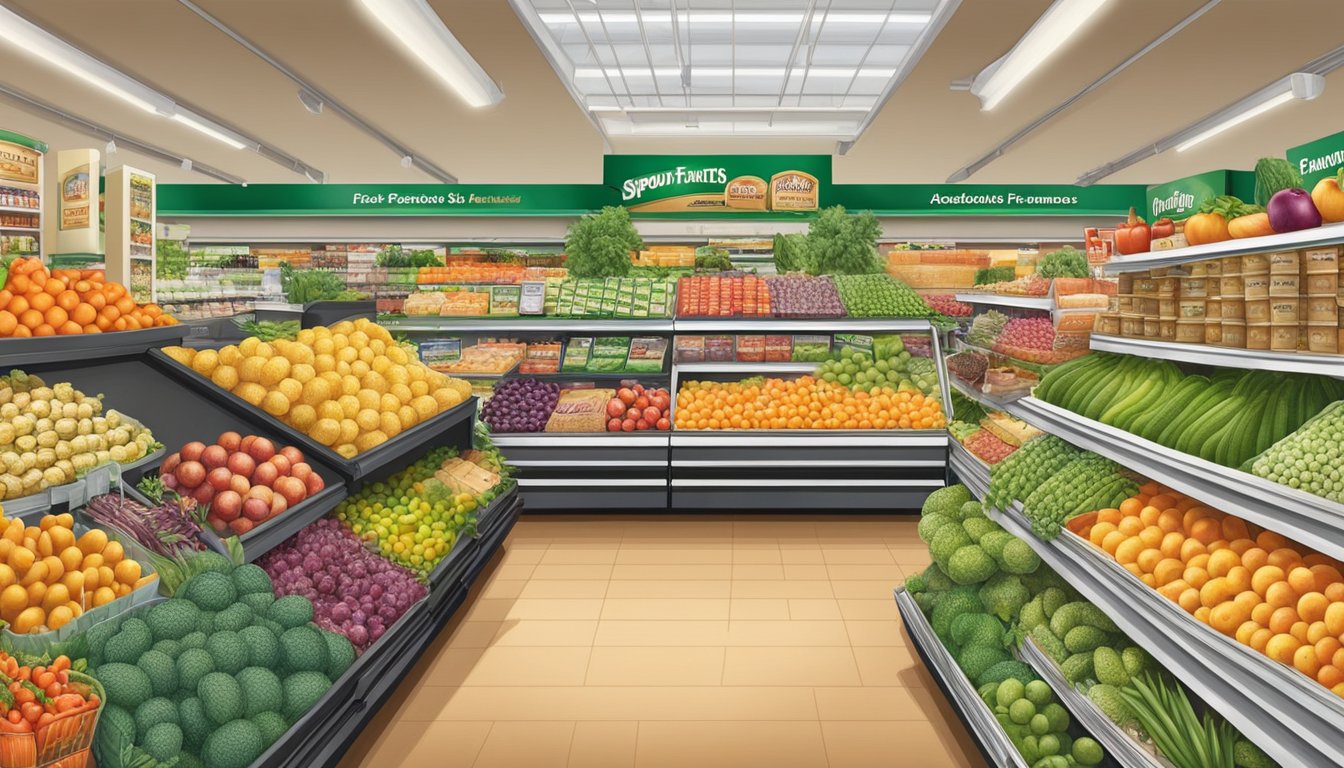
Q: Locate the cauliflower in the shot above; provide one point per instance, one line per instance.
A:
(946, 500)
(1004, 596)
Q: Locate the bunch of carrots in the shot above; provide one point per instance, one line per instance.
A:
(67, 302)
(32, 697)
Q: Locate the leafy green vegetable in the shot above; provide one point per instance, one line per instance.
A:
(304, 286)
(1274, 174)
(393, 256)
(152, 487)
(1167, 716)
(994, 275)
(711, 258)
(1066, 262)
(269, 330)
(841, 243)
(1230, 207)
(170, 260)
(792, 254)
(599, 245)
(425, 258)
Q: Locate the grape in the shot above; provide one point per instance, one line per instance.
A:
(880, 296)
(800, 296)
(520, 405)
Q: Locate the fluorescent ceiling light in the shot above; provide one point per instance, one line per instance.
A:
(1303, 86)
(1296, 86)
(213, 131)
(1059, 23)
(423, 34)
(837, 72)
(741, 18)
(32, 39)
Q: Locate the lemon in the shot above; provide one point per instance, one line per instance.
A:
(322, 332)
(349, 405)
(378, 346)
(326, 431)
(273, 371)
(370, 440)
(324, 347)
(366, 355)
(390, 424)
(349, 385)
(425, 407)
(368, 420)
(180, 354)
(275, 403)
(340, 341)
(225, 377)
(381, 364)
(389, 403)
(204, 363)
(307, 337)
(347, 355)
(349, 430)
(358, 339)
(248, 347)
(419, 388)
(374, 381)
(316, 392)
(251, 392)
(407, 416)
(343, 328)
(324, 363)
(264, 350)
(397, 355)
(359, 368)
(368, 399)
(302, 416)
(250, 370)
(330, 409)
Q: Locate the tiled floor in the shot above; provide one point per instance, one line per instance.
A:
(700, 642)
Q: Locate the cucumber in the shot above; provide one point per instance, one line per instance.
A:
(1169, 379)
(1119, 383)
(1150, 425)
(1194, 437)
(1198, 407)
(1082, 394)
(1058, 380)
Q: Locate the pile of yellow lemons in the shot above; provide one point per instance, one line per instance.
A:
(350, 386)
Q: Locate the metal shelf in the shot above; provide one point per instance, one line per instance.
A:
(980, 722)
(980, 397)
(811, 438)
(647, 439)
(1225, 357)
(18, 209)
(970, 470)
(17, 352)
(1329, 234)
(1120, 747)
(1000, 300)
(1311, 520)
(784, 325)
(6, 228)
(739, 367)
(431, 324)
(1275, 706)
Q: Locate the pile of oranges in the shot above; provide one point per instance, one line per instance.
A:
(802, 403)
(67, 302)
(1280, 598)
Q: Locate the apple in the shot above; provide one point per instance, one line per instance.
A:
(241, 525)
(261, 450)
(192, 451)
(281, 463)
(227, 505)
(229, 441)
(241, 464)
(266, 474)
(214, 456)
(220, 478)
(294, 455)
(256, 509)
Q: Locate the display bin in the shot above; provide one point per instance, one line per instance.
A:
(452, 427)
(95, 482)
(65, 742)
(569, 470)
(20, 352)
(443, 571)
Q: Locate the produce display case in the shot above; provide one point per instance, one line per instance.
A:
(19, 352)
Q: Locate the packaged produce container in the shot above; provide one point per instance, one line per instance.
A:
(1125, 302)
(1168, 286)
(1230, 286)
(1108, 324)
(1152, 307)
(1213, 332)
(1131, 325)
(1233, 309)
(1284, 263)
(1230, 264)
(1189, 331)
(1255, 286)
(1199, 269)
(1189, 309)
(1213, 308)
(1284, 311)
(1320, 260)
(1166, 330)
(1145, 286)
(1169, 309)
(1125, 283)
(1323, 337)
(1255, 264)
(1234, 334)
(1213, 268)
(1283, 286)
(1284, 338)
(1194, 288)
(65, 742)
(1322, 310)
(1150, 327)
(1257, 335)
(1322, 284)
(1257, 311)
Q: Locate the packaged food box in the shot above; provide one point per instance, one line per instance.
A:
(1283, 311)
(1166, 330)
(1257, 311)
(1285, 285)
(532, 299)
(577, 352)
(440, 352)
(609, 354)
(1233, 309)
(465, 304)
(1323, 337)
(1284, 338)
(719, 349)
(690, 349)
(1284, 263)
(1255, 286)
(1255, 264)
(646, 354)
(504, 300)
(856, 341)
(1213, 332)
(1257, 335)
(542, 357)
(778, 349)
(580, 410)
(1194, 288)
(811, 349)
(1322, 309)
(1322, 284)
(1190, 331)
(751, 349)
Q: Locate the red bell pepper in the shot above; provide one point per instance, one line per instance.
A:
(1133, 236)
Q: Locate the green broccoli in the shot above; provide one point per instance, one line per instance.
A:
(946, 500)
(1004, 670)
(954, 603)
(1247, 755)
(994, 542)
(1084, 638)
(977, 629)
(946, 542)
(930, 524)
(1080, 612)
(977, 527)
(1112, 704)
(970, 565)
(1136, 660)
(975, 660)
(1032, 614)
(1004, 596)
(937, 579)
(1018, 557)
(1108, 667)
(1077, 667)
(971, 510)
(1049, 644)
(1052, 599)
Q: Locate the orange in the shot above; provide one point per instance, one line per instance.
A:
(1282, 620)
(1113, 541)
(1206, 530)
(22, 331)
(125, 304)
(1130, 507)
(1128, 551)
(1245, 631)
(54, 286)
(1151, 536)
(71, 328)
(1163, 500)
(1235, 528)
(1334, 618)
(1326, 648)
(1299, 631)
(1329, 675)
(44, 330)
(8, 322)
(1195, 577)
(1325, 576)
(1240, 578)
(1112, 515)
(1241, 545)
(31, 318)
(1253, 558)
(1198, 561)
(1260, 638)
(1264, 576)
(19, 284)
(1316, 558)
(1302, 580)
(42, 301)
(1168, 570)
(1171, 544)
(1216, 591)
(1202, 613)
(1282, 647)
(1285, 558)
(1280, 594)
(1261, 614)
(1270, 541)
(56, 317)
(1222, 561)
(1148, 560)
(67, 300)
(1248, 601)
(1149, 514)
(1312, 606)
(1227, 618)
(96, 300)
(1316, 632)
(1304, 658)
(1098, 533)
(5, 296)
(1190, 548)
(84, 314)
(1173, 590)
(1130, 526)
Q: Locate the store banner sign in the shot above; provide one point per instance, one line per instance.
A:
(988, 199)
(382, 199)
(719, 184)
(1181, 199)
(1320, 159)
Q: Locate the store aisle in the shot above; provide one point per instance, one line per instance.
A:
(682, 642)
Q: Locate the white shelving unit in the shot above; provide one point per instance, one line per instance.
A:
(1223, 357)
(1015, 302)
(1330, 234)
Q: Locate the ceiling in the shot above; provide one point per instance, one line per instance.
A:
(539, 133)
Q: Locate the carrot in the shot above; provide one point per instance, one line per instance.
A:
(1254, 225)
(31, 711)
(68, 701)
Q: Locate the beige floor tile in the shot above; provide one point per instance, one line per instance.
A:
(428, 745)
(597, 703)
(603, 745)
(515, 543)
(877, 589)
(661, 666)
(910, 556)
(757, 555)
(488, 609)
(516, 556)
(700, 572)
(552, 632)
(892, 574)
(571, 572)
(787, 633)
(525, 608)
(670, 542)
(509, 570)
(800, 555)
(675, 608)
(783, 588)
(730, 744)
(814, 610)
(868, 610)
(523, 665)
(758, 571)
(556, 556)
(860, 745)
(474, 634)
(649, 588)
(504, 588)
(535, 745)
(789, 666)
(805, 572)
(661, 632)
(451, 667)
(560, 588)
(868, 703)
(888, 666)
(759, 609)
(688, 556)
(875, 555)
(875, 633)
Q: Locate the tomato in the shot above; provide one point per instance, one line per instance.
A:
(626, 395)
(663, 424)
(628, 425)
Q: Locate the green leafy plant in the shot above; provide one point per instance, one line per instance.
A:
(711, 258)
(792, 254)
(170, 260)
(599, 245)
(840, 243)
(393, 256)
(1185, 739)
(1230, 207)
(1066, 262)
(304, 286)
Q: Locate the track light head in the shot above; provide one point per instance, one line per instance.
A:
(310, 101)
(407, 161)
(186, 164)
(111, 147)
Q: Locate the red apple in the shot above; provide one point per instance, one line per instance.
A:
(281, 464)
(241, 525)
(626, 395)
(239, 484)
(663, 424)
(292, 489)
(214, 456)
(229, 441)
(301, 470)
(265, 474)
(652, 414)
(220, 478)
(227, 505)
(641, 425)
(242, 464)
(615, 408)
(294, 455)
(628, 425)
(204, 494)
(261, 450)
(256, 509)
(260, 492)
(278, 505)
(190, 474)
(192, 451)
(246, 443)
(613, 425)
(314, 483)
(169, 464)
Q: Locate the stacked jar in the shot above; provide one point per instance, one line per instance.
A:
(1322, 313)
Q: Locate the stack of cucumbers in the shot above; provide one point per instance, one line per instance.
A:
(1227, 418)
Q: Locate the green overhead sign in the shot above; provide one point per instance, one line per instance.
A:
(1181, 199)
(1319, 159)
(988, 199)
(382, 199)
(707, 186)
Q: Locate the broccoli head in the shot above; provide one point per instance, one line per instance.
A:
(970, 565)
(977, 629)
(975, 660)
(1018, 557)
(946, 542)
(1247, 755)
(971, 510)
(930, 524)
(956, 602)
(946, 500)
(1003, 670)
(994, 541)
(1004, 595)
